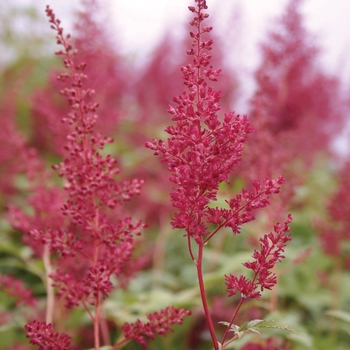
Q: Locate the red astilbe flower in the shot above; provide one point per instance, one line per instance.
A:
(162, 69)
(201, 152)
(335, 233)
(293, 96)
(42, 335)
(91, 186)
(98, 239)
(272, 246)
(292, 90)
(158, 323)
(16, 155)
(102, 242)
(43, 225)
(16, 289)
(105, 71)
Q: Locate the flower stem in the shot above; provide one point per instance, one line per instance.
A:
(204, 296)
(50, 303)
(232, 320)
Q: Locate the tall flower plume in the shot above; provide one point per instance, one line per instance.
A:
(99, 239)
(201, 152)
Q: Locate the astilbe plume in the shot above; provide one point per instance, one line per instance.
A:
(272, 246)
(158, 323)
(104, 70)
(335, 233)
(23, 301)
(201, 152)
(293, 93)
(42, 201)
(91, 186)
(92, 191)
(16, 154)
(162, 69)
(16, 289)
(42, 335)
(152, 99)
(99, 239)
(292, 97)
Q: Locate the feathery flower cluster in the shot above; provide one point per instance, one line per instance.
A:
(334, 237)
(42, 335)
(287, 79)
(201, 152)
(94, 243)
(158, 323)
(272, 246)
(16, 155)
(16, 289)
(104, 240)
(44, 226)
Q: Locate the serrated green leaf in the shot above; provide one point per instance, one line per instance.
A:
(254, 325)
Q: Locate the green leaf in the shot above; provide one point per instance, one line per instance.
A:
(341, 315)
(256, 325)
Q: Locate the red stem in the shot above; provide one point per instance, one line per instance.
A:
(190, 249)
(204, 296)
(50, 303)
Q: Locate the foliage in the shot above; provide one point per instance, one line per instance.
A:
(88, 255)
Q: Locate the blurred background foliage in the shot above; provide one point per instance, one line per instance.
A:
(312, 293)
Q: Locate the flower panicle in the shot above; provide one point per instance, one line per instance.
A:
(158, 323)
(43, 335)
(104, 240)
(203, 149)
(15, 288)
(272, 246)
